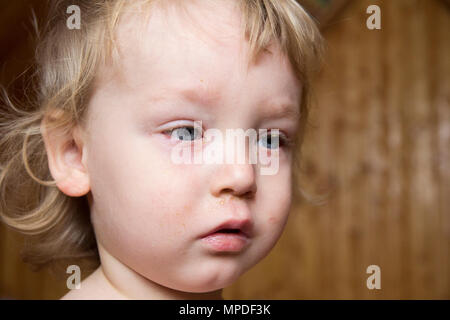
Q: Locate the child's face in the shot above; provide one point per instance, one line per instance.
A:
(150, 213)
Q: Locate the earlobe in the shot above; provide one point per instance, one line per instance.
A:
(65, 153)
(74, 185)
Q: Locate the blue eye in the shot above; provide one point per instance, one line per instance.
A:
(274, 141)
(185, 133)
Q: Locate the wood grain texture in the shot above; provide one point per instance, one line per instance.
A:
(379, 145)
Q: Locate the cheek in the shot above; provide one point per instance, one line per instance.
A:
(140, 198)
(274, 221)
(277, 204)
(277, 219)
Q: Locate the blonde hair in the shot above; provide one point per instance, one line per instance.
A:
(58, 226)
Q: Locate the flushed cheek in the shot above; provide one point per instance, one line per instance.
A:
(155, 202)
(273, 221)
(148, 213)
(175, 224)
(145, 234)
(276, 207)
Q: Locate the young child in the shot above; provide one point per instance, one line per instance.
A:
(87, 171)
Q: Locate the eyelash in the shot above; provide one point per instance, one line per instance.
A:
(284, 141)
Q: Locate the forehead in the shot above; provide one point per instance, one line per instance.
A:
(199, 44)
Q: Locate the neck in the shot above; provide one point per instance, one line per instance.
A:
(125, 283)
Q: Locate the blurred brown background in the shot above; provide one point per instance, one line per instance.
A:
(378, 145)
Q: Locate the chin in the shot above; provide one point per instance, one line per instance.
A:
(210, 281)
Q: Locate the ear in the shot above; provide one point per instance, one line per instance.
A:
(67, 154)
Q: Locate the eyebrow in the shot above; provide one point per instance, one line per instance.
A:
(207, 95)
(280, 111)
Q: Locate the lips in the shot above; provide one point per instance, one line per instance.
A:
(242, 227)
(230, 236)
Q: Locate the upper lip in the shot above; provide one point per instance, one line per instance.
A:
(244, 225)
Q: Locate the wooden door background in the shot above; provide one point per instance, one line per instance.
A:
(378, 146)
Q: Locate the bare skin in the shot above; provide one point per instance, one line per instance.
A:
(149, 213)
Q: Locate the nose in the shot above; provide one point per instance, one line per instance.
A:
(234, 179)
